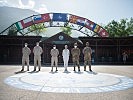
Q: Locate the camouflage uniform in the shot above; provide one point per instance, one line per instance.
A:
(75, 56)
(87, 51)
(25, 58)
(37, 56)
(54, 59)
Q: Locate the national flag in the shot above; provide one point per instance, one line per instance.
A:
(59, 17)
(97, 28)
(77, 20)
(27, 22)
(73, 19)
(41, 18)
(103, 33)
(19, 25)
(89, 24)
(81, 21)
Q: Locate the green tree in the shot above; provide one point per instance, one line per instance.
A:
(123, 28)
(12, 31)
(67, 30)
(37, 29)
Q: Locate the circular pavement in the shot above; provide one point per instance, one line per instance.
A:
(70, 82)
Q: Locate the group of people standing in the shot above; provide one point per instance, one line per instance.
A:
(75, 51)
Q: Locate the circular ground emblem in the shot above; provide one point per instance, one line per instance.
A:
(70, 82)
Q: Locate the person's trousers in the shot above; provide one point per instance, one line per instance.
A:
(85, 64)
(25, 60)
(65, 62)
(54, 60)
(37, 60)
(76, 62)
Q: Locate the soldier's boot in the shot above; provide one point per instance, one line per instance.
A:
(34, 68)
(56, 69)
(52, 69)
(84, 68)
(22, 68)
(90, 68)
(27, 68)
(39, 68)
(78, 68)
(74, 68)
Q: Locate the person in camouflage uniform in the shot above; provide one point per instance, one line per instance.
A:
(25, 58)
(54, 57)
(75, 56)
(87, 51)
(37, 56)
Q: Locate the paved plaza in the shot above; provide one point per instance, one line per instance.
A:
(106, 82)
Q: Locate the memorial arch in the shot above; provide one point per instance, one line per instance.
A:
(83, 25)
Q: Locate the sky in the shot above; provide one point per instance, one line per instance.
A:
(99, 11)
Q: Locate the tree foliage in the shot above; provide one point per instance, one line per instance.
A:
(123, 28)
(37, 29)
(67, 30)
(12, 31)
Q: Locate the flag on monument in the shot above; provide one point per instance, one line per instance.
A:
(27, 22)
(41, 18)
(59, 17)
(89, 24)
(97, 28)
(19, 25)
(81, 21)
(73, 19)
(103, 33)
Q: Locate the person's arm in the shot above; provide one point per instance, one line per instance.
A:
(51, 52)
(57, 52)
(79, 52)
(68, 52)
(72, 51)
(41, 50)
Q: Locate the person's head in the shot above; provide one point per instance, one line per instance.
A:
(26, 44)
(66, 46)
(54, 46)
(37, 44)
(75, 45)
(87, 44)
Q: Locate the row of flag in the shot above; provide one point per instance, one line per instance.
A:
(61, 17)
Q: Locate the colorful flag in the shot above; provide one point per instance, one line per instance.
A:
(41, 18)
(77, 20)
(59, 17)
(27, 22)
(97, 28)
(19, 25)
(73, 19)
(89, 24)
(103, 33)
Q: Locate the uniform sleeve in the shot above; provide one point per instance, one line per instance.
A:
(68, 52)
(57, 51)
(79, 51)
(41, 50)
(51, 52)
(72, 51)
